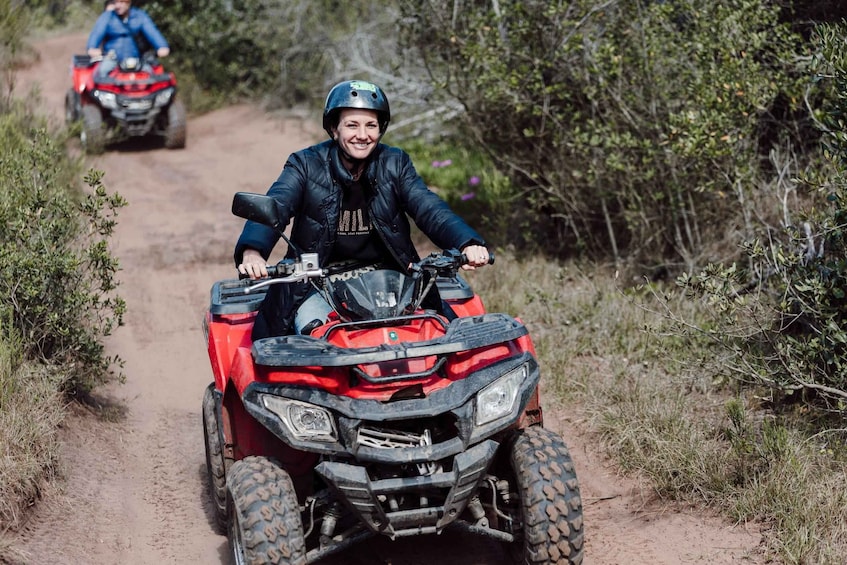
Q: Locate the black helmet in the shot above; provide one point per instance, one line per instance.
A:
(356, 94)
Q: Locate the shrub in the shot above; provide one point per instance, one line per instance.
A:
(632, 128)
(781, 320)
(58, 277)
(242, 48)
(468, 181)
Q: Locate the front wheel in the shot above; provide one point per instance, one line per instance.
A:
(264, 517)
(550, 503)
(175, 132)
(72, 106)
(93, 134)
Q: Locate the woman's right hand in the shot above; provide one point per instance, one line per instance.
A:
(253, 264)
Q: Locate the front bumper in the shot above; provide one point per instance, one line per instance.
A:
(364, 496)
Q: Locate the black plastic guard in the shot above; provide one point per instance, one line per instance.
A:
(463, 334)
(361, 494)
(228, 297)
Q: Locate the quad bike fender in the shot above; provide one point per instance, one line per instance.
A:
(526, 342)
(224, 336)
(467, 362)
(469, 307)
(532, 413)
(82, 73)
(242, 372)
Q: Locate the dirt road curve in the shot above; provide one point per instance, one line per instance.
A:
(135, 492)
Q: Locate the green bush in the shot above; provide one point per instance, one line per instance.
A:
(468, 181)
(57, 277)
(635, 128)
(14, 25)
(246, 49)
(782, 317)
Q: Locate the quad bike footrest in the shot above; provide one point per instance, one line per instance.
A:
(353, 485)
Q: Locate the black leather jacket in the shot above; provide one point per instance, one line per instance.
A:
(309, 191)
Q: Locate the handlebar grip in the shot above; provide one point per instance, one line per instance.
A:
(490, 258)
(273, 272)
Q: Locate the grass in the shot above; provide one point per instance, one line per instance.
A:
(613, 351)
(31, 409)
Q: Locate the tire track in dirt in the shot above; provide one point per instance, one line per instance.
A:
(135, 491)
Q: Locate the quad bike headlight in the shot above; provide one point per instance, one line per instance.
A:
(107, 99)
(164, 97)
(498, 399)
(303, 420)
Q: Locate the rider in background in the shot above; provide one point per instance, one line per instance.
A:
(349, 198)
(115, 31)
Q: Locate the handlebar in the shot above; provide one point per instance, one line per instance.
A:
(444, 264)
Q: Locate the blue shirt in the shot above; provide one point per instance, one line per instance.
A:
(119, 35)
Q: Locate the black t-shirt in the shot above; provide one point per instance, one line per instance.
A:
(356, 240)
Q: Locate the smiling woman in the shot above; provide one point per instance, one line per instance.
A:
(365, 190)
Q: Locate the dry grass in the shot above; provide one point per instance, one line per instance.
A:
(650, 391)
(30, 411)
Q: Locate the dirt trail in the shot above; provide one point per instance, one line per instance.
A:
(135, 491)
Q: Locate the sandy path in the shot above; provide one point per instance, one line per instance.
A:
(135, 491)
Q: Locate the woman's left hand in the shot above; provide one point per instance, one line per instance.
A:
(477, 255)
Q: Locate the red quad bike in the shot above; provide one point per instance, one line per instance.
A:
(388, 420)
(136, 99)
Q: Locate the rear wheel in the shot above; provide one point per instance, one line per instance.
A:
(175, 133)
(550, 503)
(264, 517)
(93, 134)
(215, 462)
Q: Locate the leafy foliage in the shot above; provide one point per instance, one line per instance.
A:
(784, 316)
(243, 48)
(466, 179)
(633, 127)
(14, 24)
(57, 276)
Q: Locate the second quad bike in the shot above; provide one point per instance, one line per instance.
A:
(387, 420)
(136, 98)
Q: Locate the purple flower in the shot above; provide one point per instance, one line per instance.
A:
(468, 196)
(473, 181)
(436, 164)
(439, 164)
